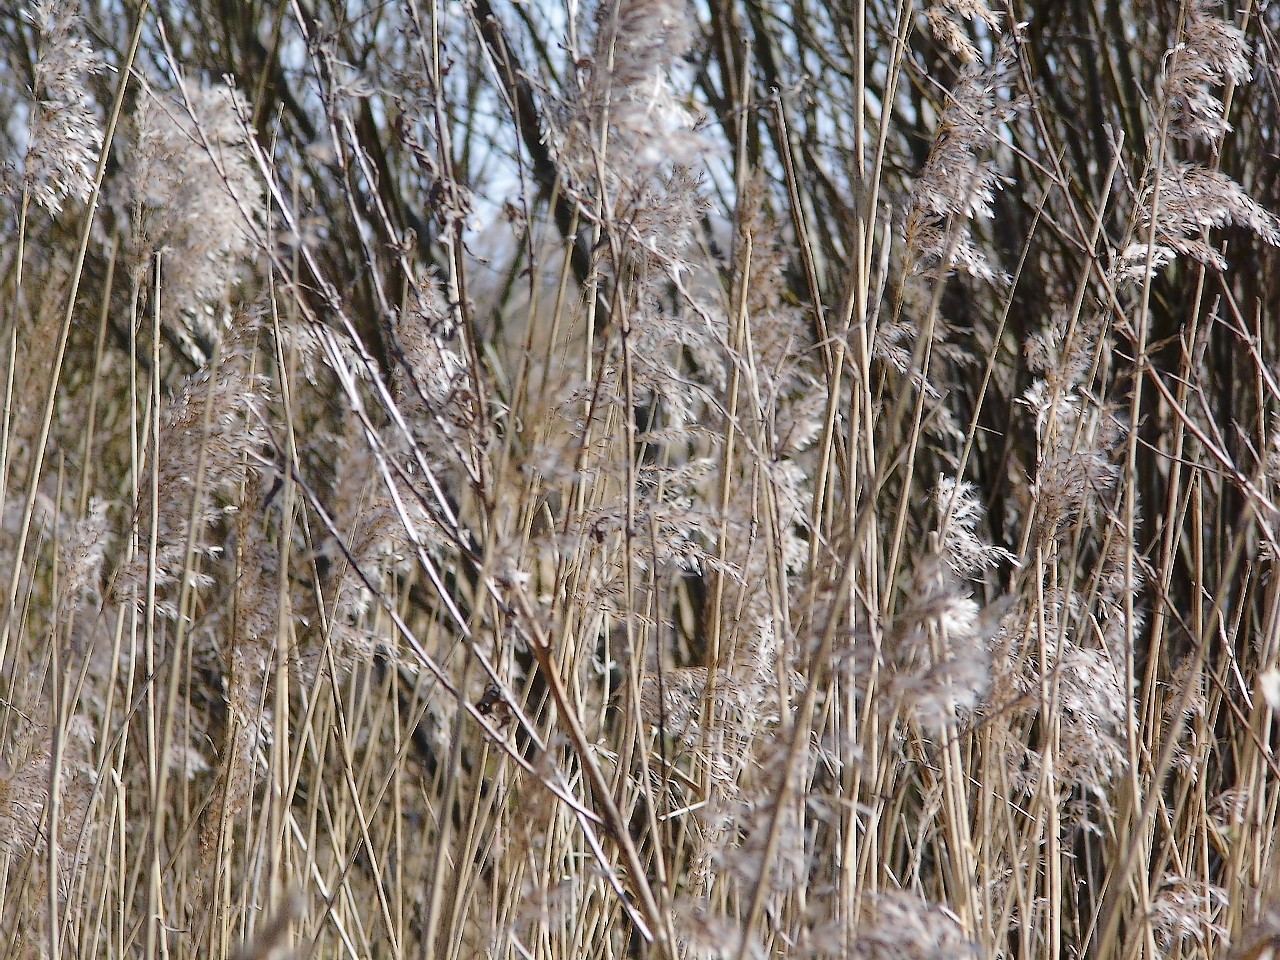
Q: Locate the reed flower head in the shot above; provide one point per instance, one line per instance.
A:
(1212, 52)
(902, 926)
(65, 138)
(958, 181)
(191, 177)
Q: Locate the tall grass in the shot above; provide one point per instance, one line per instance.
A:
(640, 478)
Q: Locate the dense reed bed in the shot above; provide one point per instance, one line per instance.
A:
(639, 478)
